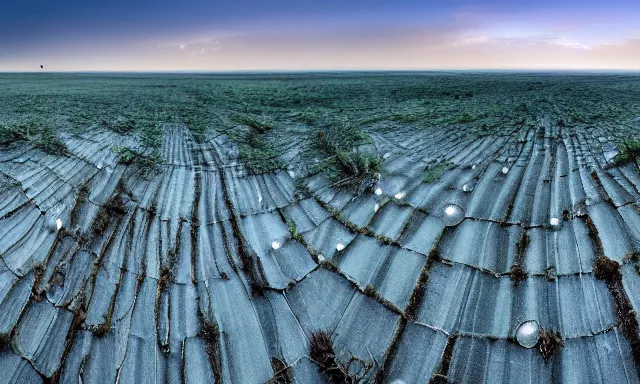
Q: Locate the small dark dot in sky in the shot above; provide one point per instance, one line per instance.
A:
(42, 66)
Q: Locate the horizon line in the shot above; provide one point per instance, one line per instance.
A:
(301, 71)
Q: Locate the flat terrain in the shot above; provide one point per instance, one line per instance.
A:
(211, 228)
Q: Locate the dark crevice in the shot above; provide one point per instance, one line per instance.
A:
(517, 272)
(322, 352)
(210, 334)
(608, 271)
(281, 372)
(78, 320)
(593, 235)
(410, 312)
(81, 199)
(195, 225)
(295, 235)
(441, 376)
(249, 260)
(603, 192)
(390, 353)
(111, 214)
(420, 287)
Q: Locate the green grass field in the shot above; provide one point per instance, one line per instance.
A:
(259, 112)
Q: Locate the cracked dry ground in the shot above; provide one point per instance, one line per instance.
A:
(192, 274)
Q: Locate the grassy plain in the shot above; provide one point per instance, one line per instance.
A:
(334, 112)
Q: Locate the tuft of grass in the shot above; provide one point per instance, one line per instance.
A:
(550, 343)
(101, 330)
(345, 164)
(257, 153)
(253, 122)
(49, 143)
(357, 166)
(629, 151)
(465, 118)
(113, 206)
(10, 133)
(120, 124)
(40, 137)
(517, 274)
(322, 352)
(130, 156)
(151, 136)
(127, 155)
(432, 174)
(309, 116)
(259, 159)
(406, 118)
(606, 269)
(281, 372)
(295, 234)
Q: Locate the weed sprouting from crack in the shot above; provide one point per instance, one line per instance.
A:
(295, 234)
(281, 372)
(435, 172)
(113, 206)
(517, 274)
(323, 353)
(550, 343)
(210, 334)
(257, 152)
(606, 269)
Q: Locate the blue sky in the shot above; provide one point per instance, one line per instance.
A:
(332, 34)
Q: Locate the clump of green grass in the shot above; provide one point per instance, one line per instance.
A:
(130, 156)
(39, 136)
(253, 122)
(259, 160)
(49, 143)
(10, 133)
(195, 126)
(629, 151)
(295, 234)
(151, 136)
(406, 117)
(345, 165)
(357, 165)
(432, 174)
(465, 118)
(257, 154)
(340, 135)
(309, 116)
(120, 124)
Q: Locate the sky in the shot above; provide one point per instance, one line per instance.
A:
(245, 35)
